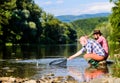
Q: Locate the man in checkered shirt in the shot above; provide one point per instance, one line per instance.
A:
(92, 48)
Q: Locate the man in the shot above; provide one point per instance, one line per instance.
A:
(100, 39)
(93, 50)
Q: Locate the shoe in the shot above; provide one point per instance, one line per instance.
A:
(93, 63)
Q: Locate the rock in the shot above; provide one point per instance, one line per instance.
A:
(106, 80)
(7, 79)
(30, 81)
(117, 80)
(113, 80)
(100, 80)
(4, 78)
(20, 80)
(57, 79)
(70, 79)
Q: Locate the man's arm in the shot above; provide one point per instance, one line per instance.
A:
(75, 55)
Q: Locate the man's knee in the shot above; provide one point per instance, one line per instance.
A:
(86, 56)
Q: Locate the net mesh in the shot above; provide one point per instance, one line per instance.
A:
(59, 63)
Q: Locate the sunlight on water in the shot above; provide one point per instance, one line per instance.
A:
(77, 68)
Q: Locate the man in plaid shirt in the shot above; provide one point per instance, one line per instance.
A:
(93, 50)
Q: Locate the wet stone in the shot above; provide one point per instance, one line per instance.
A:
(57, 79)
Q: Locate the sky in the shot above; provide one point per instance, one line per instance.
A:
(74, 7)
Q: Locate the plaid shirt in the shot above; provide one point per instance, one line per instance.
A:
(93, 47)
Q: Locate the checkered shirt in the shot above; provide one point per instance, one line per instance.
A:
(93, 47)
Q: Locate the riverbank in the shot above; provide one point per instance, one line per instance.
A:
(57, 79)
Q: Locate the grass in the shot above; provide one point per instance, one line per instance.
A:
(116, 65)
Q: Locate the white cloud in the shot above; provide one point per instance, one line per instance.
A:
(59, 1)
(43, 3)
(86, 9)
(47, 3)
(50, 2)
(59, 7)
(98, 7)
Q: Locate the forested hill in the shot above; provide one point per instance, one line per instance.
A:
(70, 18)
(86, 26)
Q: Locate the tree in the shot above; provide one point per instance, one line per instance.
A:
(6, 8)
(55, 31)
(115, 21)
(25, 22)
(25, 25)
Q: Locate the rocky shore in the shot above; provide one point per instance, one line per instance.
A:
(51, 78)
(46, 79)
(57, 79)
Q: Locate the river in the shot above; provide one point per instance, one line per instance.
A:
(32, 61)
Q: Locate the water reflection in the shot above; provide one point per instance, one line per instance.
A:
(89, 73)
(80, 69)
(16, 69)
(36, 51)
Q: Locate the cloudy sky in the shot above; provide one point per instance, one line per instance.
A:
(74, 7)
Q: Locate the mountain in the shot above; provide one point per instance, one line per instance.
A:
(70, 18)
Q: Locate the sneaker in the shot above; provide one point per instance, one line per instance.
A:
(93, 63)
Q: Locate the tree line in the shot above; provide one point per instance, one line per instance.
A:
(24, 22)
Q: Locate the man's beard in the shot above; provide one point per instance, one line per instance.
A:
(96, 38)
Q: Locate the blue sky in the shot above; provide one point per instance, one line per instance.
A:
(74, 7)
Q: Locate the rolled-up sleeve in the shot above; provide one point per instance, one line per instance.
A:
(83, 49)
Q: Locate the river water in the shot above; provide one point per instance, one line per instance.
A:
(32, 61)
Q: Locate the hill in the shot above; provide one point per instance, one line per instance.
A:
(70, 18)
(87, 25)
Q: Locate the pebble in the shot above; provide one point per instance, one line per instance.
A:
(57, 79)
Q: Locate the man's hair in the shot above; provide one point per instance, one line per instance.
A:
(97, 32)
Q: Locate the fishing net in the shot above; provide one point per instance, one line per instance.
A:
(59, 63)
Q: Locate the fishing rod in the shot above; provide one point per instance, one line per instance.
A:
(82, 32)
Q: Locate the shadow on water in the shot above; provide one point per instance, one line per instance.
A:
(32, 61)
(36, 51)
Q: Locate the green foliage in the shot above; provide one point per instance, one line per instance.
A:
(22, 21)
(6, 8)
(113, 0)
(58, 32)
(105, 28)
(32, 25)
(115, 21)
(86, 26)
(107, 31)
(25, 13)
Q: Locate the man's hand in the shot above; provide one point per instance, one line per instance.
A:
(70, 58)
